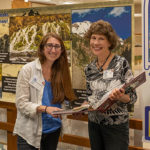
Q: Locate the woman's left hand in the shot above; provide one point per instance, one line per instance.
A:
(117, 94)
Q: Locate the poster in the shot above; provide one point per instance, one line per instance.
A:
(26, 27)
(24, 35)
(26, 32)
(81, 21)
(4, 37)
(9, 79)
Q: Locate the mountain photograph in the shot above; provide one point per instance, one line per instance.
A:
(26, 33)
(120, 19)
(4, 35)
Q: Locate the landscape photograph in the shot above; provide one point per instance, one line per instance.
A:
(4, 39)
(121, 20)
(26, 33)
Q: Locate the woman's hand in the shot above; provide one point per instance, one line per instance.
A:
(84, 103)
(80, 114)
(119, 94)
(50, 109)
(116, 94)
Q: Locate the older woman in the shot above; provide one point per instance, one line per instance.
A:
(109, 130)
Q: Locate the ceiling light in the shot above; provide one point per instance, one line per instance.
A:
(138, 15)
(25, 0)
(113, 0)
(67, 3)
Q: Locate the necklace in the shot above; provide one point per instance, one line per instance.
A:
(101, 67)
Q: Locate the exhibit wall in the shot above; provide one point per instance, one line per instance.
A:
(22, 30)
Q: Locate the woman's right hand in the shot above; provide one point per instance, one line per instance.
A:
(48, 109)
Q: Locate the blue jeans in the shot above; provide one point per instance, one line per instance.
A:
(108, 137)
(49, 141)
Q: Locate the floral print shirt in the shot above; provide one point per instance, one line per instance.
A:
(98, 85)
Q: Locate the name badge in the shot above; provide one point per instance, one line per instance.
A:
(35, 83)
(108, 74)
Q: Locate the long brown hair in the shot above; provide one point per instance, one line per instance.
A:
(60, 74)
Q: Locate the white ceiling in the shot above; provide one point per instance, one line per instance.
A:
(60, 2)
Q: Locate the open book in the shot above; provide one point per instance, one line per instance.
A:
(79, 109)
(105, 103)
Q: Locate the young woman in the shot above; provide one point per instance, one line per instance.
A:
(42, 86)
(109, 130)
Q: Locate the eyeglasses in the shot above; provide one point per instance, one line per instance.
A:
(50, 46)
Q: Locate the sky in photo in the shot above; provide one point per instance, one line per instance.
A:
(119, 17)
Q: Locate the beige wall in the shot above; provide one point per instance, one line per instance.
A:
(5, 4)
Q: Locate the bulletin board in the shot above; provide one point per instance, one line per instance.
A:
(21, 31)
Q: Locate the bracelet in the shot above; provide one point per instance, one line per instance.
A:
(45, 109)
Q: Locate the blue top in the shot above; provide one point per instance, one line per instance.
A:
(49, 123)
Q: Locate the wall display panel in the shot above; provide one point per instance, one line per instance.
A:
(4, 37)
(9, 78)
(26, 33)
(120, 18)
(24, 22)
(25, 28)
(0, 81)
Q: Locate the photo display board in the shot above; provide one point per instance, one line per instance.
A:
(22, 30)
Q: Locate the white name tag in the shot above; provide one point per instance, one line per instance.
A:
(35, 83)
(108, 74)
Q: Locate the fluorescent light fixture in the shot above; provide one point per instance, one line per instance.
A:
(43, 1)
(57, 2)
(138, 15)
(67, 3)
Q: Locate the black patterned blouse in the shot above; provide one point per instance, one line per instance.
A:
(98, 86)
